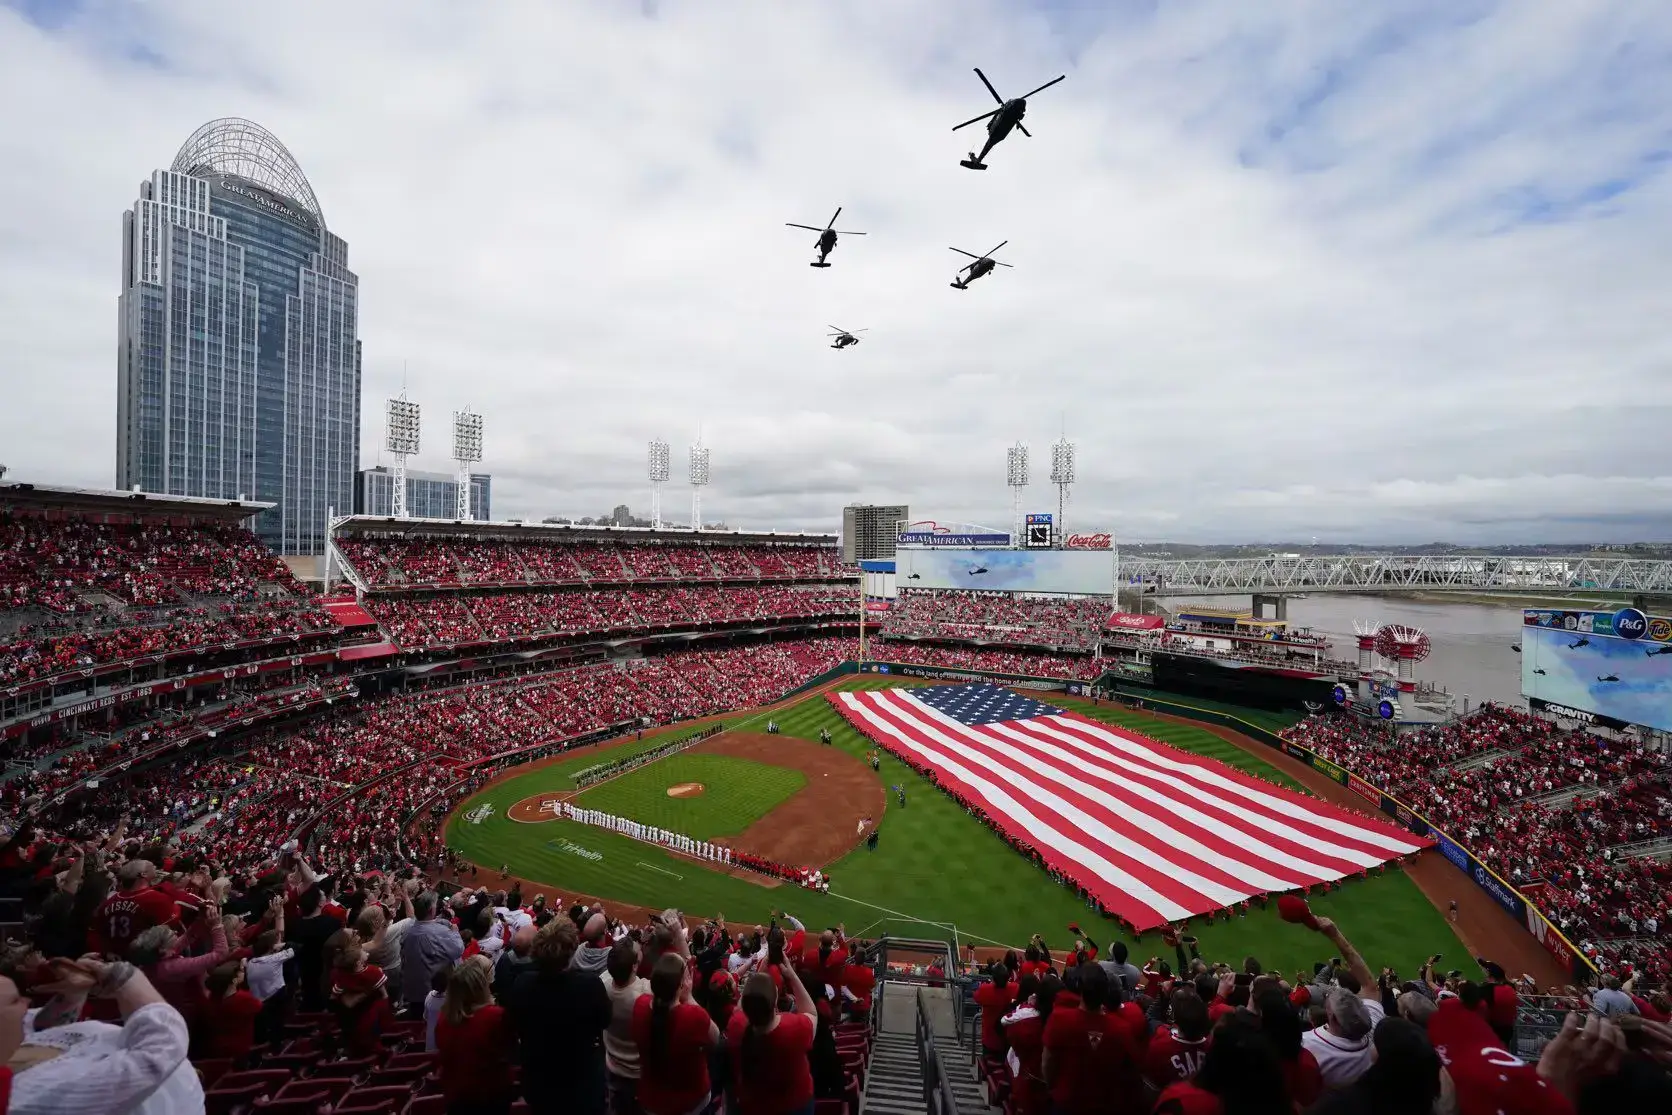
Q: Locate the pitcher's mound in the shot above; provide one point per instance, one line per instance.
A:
(685, 790)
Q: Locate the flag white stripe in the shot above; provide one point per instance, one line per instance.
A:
(930, 722)
(1257, 822)
(1269, 801)
(1038, 830)
(1245, 872)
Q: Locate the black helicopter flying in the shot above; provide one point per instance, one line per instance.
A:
(826, 242)
(1001, 119)
(1610, 677)
(843, 338)
(982, 265)
(1653, 653)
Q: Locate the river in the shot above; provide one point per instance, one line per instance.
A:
(1471, 642)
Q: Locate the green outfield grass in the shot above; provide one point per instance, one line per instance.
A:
(736, 794)
(937, 868)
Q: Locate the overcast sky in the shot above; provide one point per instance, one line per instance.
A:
(1366, 272)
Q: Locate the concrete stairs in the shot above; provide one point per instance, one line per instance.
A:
(894, 1075)
(968, 1093)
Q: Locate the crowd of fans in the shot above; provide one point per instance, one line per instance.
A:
(1062, 667)
(450, 563)
(1096, 1034)
(499, 617)
(1069, 623)
(1480, 780)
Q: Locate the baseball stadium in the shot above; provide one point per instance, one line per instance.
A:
(491, 726)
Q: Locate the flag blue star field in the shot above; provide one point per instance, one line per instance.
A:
(1154, 833)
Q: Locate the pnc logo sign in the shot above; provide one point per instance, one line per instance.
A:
(1629, 623)
(1089, 542)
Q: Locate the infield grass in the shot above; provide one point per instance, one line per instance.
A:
(736, 793)
(936, 867)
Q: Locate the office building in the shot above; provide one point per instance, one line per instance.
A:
(238, 373)
(868, 531)
(429, 495)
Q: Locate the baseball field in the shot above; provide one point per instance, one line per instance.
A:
(936, 871)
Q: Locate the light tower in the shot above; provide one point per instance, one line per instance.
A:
(467, 450)
(402, 442)
(1016, 476)
(658, 477)
(699, 481)
(1062, 475)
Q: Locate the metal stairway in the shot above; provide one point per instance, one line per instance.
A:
(894, 1075)
(969, 1096)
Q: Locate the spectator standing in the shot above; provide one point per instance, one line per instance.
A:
(995, 999)
(1090, 1060)
(1119, 967)
(1403, 1080)
(135, 907)
(308, 938)
(231, 1013)
(473, 1039)
(624, 986)
(428, 946)
(1282, 1028)
(673, 1036)
(1240, 1074)
(560, 1016)
(770, 1071)
(1178, 1051)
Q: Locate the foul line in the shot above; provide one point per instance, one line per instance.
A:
(948, 926)
(663, 870)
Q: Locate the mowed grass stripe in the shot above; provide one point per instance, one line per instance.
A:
(736, 793)
(937, 863)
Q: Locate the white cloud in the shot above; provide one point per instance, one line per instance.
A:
(1285, 269)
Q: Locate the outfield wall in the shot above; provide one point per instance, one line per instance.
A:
(1511, 900)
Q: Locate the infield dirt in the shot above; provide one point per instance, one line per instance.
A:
(819, 823)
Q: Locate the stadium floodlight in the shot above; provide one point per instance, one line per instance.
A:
(467, 450)
(659, 472)
(401, 439)
(1062, 475)
(699, 481)
(1016, 476)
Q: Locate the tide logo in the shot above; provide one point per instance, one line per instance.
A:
(1660, 630)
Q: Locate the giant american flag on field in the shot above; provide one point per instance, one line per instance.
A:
(1155, 833)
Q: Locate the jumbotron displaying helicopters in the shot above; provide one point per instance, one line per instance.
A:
(1001, 119)
(982, 265)
(826, 242)
(843, 338)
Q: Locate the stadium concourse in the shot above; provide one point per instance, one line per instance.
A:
(221, 853)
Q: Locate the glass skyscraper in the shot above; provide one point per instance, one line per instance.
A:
(238, 371)
(429, 495)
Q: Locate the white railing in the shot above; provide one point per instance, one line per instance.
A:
(1429, 572)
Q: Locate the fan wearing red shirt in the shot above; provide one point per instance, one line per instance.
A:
(861, 981)
(231, 1012)
(472, 1041)
(1301, 1077)
(824, 964)
(770, 1069)
(1176, 1052)
(1024, 1032)
(674, 1036)
(360, 999)
(1090, 1062)
(995, 1000)
(1240, 1062)
(133, 909)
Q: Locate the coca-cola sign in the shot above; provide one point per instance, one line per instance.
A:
(1089, 542)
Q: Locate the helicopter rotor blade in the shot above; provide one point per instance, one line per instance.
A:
(1047, 85)
(978, 119)
(809, 228)
(996, 263)
(832, 222)
(844, 232)
(1023, 130)
(961, 252)
(989, 255)
(989, 85)
(838, 328)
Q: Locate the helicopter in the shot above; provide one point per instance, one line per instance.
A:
(982, 265)
(1653, 653)
(843, 337)
(1001, 119)
(1583, 642)
(826, 242)
(1610, 677)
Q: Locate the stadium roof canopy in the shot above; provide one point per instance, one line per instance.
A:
(244, 149)
(104, 501)
(565, 532)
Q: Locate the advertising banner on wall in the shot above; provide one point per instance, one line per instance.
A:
(1611, 669)
(1076, 572)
